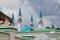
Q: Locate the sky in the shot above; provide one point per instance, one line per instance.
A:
(50, 10)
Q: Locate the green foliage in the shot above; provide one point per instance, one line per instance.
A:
(58, 28)
(32, 29)
(47, 27)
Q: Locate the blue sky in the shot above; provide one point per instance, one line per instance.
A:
(50, 10)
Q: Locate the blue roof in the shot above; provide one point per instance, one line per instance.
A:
(25, 28)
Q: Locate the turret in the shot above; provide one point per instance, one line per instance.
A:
(40, 19)
(52, 24)
(12, 19)
(19, 20)
(31, 24)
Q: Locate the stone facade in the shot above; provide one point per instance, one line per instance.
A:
(4, 36)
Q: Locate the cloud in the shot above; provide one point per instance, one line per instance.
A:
(0, 8)
(50, 9)
(48, 6)
(58, 1)
(27, 10)
(9, 4)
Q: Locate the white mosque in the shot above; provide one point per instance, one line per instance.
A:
(9, 32)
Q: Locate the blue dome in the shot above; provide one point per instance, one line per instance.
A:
(24, 28)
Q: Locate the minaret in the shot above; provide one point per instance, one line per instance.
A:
(52, 24)
(40, 20)
(31, 18)
(12, 19)
(19, 20)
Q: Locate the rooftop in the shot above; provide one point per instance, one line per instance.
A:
(3, 17)
(42, 30)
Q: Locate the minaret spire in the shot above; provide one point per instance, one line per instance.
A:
(40, 15)
(19, 20)
(19, 12)
(31, 18)
(40, 19)
(12, 16)
(13, 19)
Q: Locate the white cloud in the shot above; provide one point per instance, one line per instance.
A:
(28, 8)
(9, 6)
(58, 1)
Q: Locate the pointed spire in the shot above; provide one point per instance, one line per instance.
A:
(13, 19)
(12, 16)
(32, 25)
(19, 20)
(19, 12)
(31, 18)
(40, 16)
(40, 20)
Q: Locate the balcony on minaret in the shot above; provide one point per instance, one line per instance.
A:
(19, 20)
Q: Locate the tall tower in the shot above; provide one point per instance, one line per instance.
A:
(52, 24)
(12, 19)
(31, 18)
(40, 19)
(19, 20)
